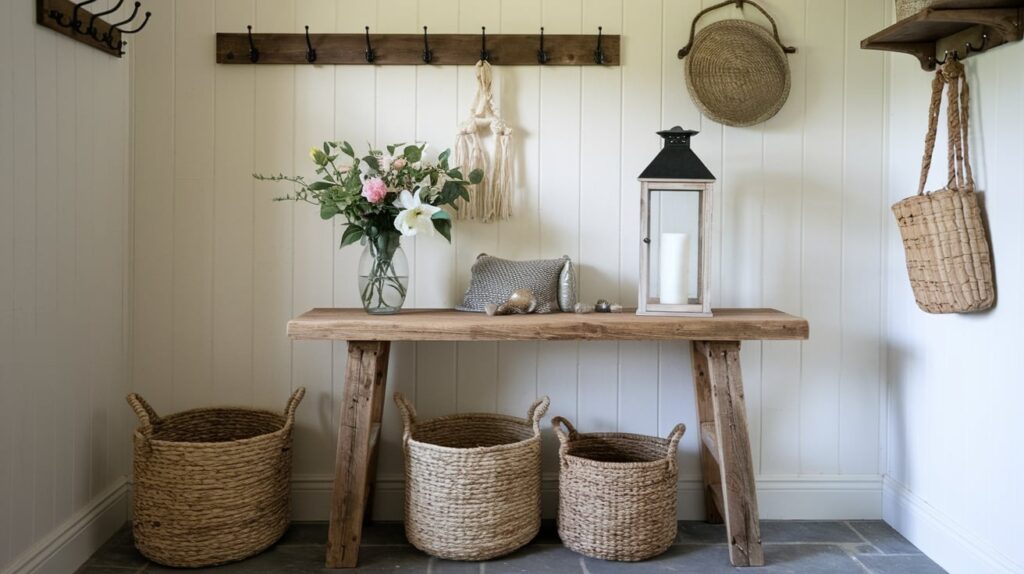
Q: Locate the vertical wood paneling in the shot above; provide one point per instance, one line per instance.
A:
(63, 153)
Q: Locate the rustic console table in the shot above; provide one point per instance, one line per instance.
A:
(728, 470)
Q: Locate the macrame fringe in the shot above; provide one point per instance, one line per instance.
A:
(492, 198)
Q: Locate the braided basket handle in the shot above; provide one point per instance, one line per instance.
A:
(293, 404)
(536, 412)
(408, 413)
(960, 176)
(564, 436)
(673, 440)
(147, 416)
(739, 4)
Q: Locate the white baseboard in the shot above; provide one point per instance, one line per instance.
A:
(824, 497)
(940, 537)
(70, 544)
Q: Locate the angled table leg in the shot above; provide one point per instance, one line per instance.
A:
(358, 430)
(729, 441)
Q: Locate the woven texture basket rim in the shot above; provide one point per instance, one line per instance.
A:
(476, 449)
(233, 410)
(640, 438)
(772, 47)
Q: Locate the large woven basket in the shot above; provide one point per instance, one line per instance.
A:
(944, 237)
(211, 485)
(907, 8)
(617, 492)
(472, 482)
(736, 71)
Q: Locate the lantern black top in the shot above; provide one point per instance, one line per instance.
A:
(676, 160)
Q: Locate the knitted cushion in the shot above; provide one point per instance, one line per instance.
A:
(494, 279)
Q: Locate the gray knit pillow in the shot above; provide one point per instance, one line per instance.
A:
(493, 281)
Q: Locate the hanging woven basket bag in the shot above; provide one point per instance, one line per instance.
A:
(736, 71)
(472, 482)
(617, 492)
(944, 236)
(211, 485)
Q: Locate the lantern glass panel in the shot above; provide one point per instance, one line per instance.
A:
(675, 250)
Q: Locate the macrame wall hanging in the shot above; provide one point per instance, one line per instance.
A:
(490, 199)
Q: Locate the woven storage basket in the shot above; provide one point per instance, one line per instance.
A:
(617, 492)
(907, 8)
(736, 71)
(211, 485)
(472, 482)
(944, 238)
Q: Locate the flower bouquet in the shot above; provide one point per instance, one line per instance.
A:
(382, 196)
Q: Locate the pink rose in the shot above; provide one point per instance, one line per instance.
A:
(398, 164)
(374, 190)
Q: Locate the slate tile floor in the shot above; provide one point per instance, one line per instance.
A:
(791, 547)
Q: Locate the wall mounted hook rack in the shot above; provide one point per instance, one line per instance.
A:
(74, 21)
(418, 49)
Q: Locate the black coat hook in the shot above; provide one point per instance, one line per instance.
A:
(109, 36)
(428, 54)
(542, 56)
(599, 53)
(76, 24)
(945, 57)
(968, 48)
(91, 29)
(370, 54)
(310, 52)
(484, 54)
(254, 54)
(141, 26)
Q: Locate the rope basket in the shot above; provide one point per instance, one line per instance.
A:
(211, 485)
(472, 482)
(907, 8)
(617, 492)
(736, 71)
(944, 237)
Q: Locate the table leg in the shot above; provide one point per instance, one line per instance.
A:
(706, 414)
(729, 441)
(358, 431)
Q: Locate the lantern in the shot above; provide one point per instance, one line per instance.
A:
(675, 230)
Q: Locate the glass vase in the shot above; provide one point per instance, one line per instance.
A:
(383, 275)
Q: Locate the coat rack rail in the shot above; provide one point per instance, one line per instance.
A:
(417, 49)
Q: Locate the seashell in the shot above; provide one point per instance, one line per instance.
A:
(615, 308)
(582, 308)
(521, 301)
(603, 306)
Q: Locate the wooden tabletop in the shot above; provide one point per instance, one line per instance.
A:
(451, 325)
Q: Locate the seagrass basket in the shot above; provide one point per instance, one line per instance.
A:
(907, 8)
(943, 232)
(472, 482)
(617, 492)
(211, 485)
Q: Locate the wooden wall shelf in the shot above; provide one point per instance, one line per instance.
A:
(962, 27)
(408, 49)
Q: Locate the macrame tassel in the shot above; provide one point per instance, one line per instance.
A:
(492, 198)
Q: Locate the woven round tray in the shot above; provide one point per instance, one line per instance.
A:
(737, 73)
(211, 485)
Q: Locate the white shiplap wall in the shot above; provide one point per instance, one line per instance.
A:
(955, 414)
(219, 268)
(64, 241)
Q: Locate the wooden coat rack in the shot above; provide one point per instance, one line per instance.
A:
(75, 22)
(413, 49)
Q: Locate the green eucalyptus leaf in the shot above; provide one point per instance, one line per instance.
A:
(444, 227)
(328, 210)
(346, 148)
(413, 153)
(442, 158)
(476, 176)
(371, 160)
(352, 234)
(327, 150)
(320, 185)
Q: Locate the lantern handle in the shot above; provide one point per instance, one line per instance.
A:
(739, 4)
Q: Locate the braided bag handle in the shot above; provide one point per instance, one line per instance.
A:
(959, 173)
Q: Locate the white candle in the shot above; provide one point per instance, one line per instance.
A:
(674, 269)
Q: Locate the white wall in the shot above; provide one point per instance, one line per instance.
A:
(219, 268)
(955, 415)
(64, 241)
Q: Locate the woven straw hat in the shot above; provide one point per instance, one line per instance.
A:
(737, 73)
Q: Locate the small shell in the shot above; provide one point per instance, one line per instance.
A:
(582, 308)
(521, 301)
(603, 306)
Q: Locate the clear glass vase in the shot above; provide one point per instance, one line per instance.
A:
(383, 275)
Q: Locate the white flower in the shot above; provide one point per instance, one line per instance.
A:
(415, 215)
(384, 162)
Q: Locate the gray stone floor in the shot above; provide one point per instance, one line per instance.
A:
(797, 547)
